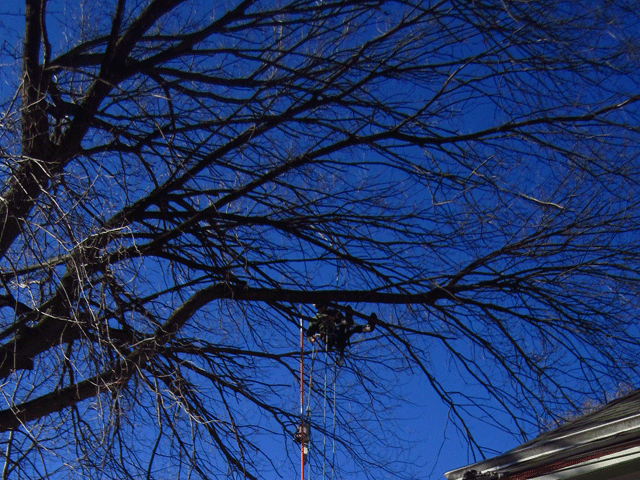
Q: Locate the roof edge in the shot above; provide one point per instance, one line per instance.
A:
(534, 455)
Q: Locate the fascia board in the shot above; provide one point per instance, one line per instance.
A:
(591, 467)
(538, 452)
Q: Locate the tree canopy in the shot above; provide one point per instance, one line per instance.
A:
(182, 180)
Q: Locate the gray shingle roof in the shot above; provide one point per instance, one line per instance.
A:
(614, 426)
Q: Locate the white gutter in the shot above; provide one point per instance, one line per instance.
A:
(536, 452)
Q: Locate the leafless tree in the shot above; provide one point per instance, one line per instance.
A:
(182, 180)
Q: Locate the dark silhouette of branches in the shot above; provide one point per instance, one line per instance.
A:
(182, 181)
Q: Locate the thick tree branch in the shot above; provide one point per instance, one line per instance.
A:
(111, 380)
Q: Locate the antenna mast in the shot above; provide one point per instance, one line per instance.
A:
(303, 430)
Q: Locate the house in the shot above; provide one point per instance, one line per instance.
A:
(602, 445)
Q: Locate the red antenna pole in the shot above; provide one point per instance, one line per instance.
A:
(302, 426)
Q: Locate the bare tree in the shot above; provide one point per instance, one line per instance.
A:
(182, 180)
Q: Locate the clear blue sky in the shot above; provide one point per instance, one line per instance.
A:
(438, 445)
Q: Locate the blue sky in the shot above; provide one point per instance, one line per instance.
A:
(424, 419)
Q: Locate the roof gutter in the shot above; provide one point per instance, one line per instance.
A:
(573, 447)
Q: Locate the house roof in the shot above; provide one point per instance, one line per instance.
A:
(602, 434)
